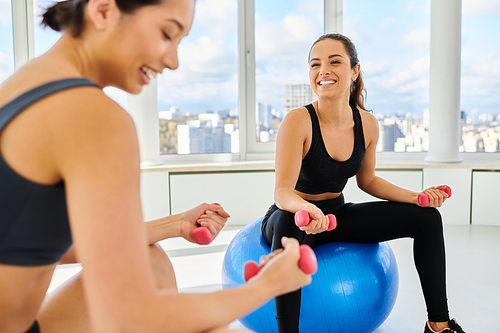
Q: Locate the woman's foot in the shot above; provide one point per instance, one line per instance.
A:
(453, 328)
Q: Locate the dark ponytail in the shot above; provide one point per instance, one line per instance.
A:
(68, 15)
(358, 91)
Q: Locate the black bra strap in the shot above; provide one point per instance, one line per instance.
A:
(11, 109)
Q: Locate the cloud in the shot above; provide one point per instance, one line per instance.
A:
(417, 70)
(372, 68)
(216, 17)
(288, 40)
(207, 76)
(395, 86)
(417, 39)
(476, 7)
(199, 97)
(480, 83)
(205, 59)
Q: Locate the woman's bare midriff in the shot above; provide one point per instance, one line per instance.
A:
(22, 289)
(318, 197)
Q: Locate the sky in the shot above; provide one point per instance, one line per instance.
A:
(392, 38)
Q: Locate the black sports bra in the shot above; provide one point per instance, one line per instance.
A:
(320, 173)
(34, 225)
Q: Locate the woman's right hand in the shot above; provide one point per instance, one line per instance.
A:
(319, 221)
(281, 269)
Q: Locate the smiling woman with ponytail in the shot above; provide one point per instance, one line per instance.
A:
(70, 186)
(318, 148)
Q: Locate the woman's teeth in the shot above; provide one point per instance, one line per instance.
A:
(326, 82)
(149, 73)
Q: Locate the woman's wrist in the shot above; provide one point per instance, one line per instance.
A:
(167, 227)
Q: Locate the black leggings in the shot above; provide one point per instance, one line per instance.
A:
(370, 222)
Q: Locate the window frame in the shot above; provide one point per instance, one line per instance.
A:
(250, 149)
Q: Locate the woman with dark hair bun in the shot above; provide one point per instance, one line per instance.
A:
(70, 186)
(318, 148)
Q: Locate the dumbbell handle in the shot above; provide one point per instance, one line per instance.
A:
(423, 199)
(202, 235)
(302, 219)
(307, 263)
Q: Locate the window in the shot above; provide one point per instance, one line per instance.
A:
(284, 33)
(6, 41)
(198, 102)
(480, 83)
(393, 43)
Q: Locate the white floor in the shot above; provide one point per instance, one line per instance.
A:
(473, 266)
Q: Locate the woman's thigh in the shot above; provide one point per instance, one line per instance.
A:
(65, 309)
(382, 221)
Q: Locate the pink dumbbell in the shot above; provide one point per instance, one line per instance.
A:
(302, 219)
(202, 235)
(307, 263)
(423, 199)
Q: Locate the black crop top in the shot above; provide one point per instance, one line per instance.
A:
(34, 225)
(320, 173)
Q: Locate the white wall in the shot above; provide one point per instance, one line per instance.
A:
(246, 195)
(486, 198)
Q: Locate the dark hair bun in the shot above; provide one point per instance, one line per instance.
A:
(65, 15)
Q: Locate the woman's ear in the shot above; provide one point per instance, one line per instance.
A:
(101, 12)
(355, 71)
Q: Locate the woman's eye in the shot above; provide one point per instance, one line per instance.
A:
(335, 62)
(165, 35)
(314, 65)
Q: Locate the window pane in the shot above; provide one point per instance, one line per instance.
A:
(45, 38)
(6, 41)
(480, 84)
(393, 42)
(198, 102)
(284, 33)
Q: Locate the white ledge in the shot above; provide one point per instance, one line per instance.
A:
(388, 161)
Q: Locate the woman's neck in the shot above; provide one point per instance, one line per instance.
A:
(336, 110)
(71, 56)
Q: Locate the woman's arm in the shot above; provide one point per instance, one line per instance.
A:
(290, 150)
(379, 187)
(96, 152)
(210, 216)
(292, 142)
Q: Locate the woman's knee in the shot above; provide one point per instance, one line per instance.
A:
(163, 271)
(282, 225)
(428, 222)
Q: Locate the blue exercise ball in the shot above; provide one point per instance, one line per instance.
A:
(354, 289)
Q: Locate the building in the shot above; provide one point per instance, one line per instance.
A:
(297, 95)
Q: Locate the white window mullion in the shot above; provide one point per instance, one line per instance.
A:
(246, 63)
(333, 16)
(23, 31)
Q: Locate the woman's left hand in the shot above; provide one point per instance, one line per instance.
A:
(436, 195)
(211, 216)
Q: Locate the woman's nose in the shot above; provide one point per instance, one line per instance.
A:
(170, 59)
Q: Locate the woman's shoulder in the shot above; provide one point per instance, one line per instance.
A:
(298, 115)
(370, 126)
(368, 118)
(297, 120)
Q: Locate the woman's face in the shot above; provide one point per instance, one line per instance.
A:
(330, 72)
(145, 42)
